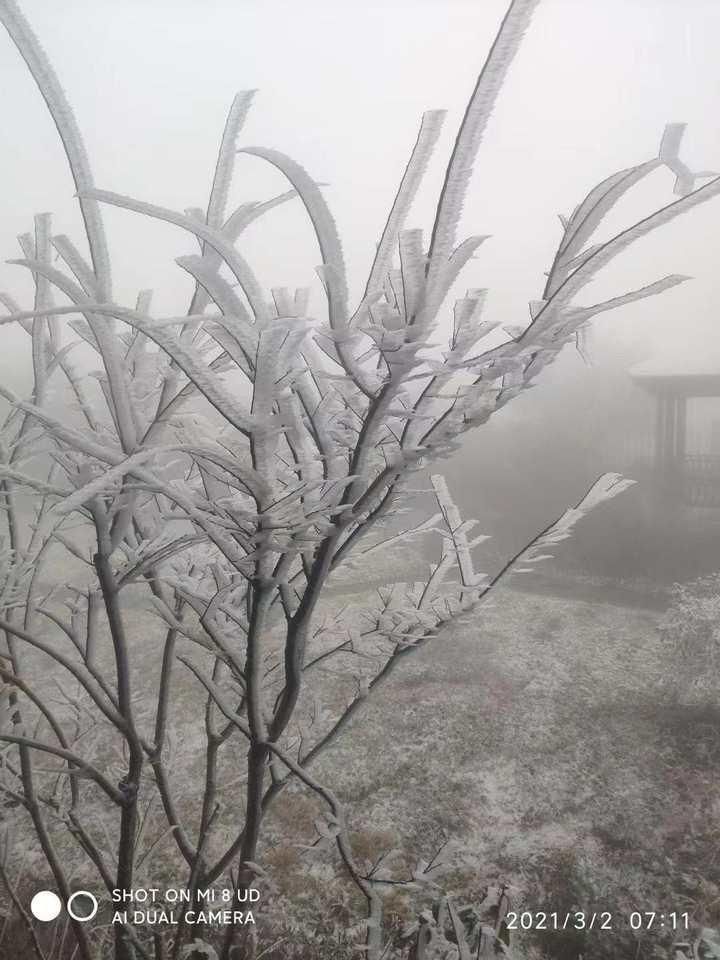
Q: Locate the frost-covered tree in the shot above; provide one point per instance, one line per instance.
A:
(235, 518)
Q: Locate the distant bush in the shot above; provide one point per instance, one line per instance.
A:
(691, 632)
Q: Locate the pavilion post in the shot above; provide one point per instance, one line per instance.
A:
(660, 416)
(670, 434)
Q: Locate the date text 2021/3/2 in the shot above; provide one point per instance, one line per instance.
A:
(596, 920)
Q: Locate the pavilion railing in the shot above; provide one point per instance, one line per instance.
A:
(701, 480)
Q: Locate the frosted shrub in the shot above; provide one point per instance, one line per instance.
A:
(690, 631)
(231, 507)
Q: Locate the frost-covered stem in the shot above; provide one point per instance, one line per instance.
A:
(227, 858)
(257, 755)
(164, 687)
(158, 946)
(20, 907)
(62, 114)
(195, 881)
(213, 217)
(210, 790)
(390, 665)
(7, 495)
(155, 750)
(388, 480)
(108, 710)
(480, 106)
(363, 499)
(296, 638)
(257, 761)
(172, 405)
(364, 884)
(10, 678)
(130, 785)
(67, 127)
(39, 555)
(214, 741)
(401, 652)
(373, 941)
(31, 802)
(171, 814)
(259, 605)
(427, 136)
(300, 622)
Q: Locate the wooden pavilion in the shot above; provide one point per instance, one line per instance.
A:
(685, 476)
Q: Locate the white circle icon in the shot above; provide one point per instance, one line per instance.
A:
(82, 918)
(45, 905)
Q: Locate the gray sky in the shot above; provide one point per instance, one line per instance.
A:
(341, 88)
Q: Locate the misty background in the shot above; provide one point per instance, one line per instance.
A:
(564, 735)
(341, 88)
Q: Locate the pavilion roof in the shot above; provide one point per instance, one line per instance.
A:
(691, 367)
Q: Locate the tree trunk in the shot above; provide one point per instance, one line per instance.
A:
(257, 762)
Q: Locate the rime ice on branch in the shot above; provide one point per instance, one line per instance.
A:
(235, 505)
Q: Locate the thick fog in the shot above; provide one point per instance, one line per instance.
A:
(246, 643)
(341, 88)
